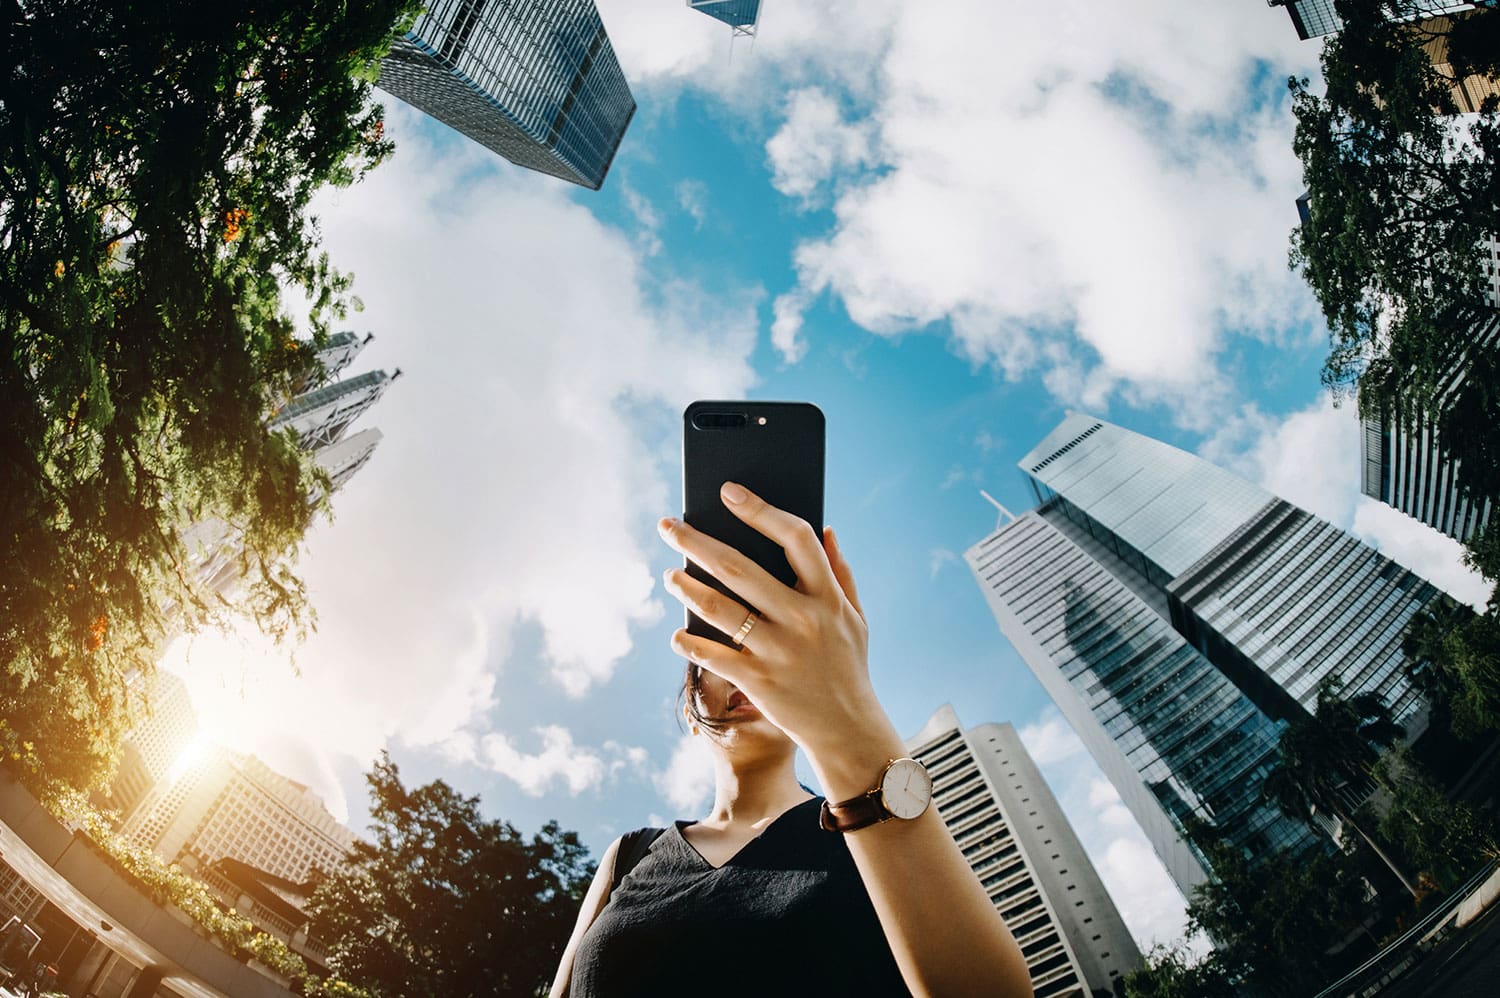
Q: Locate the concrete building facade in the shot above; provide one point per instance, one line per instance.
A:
(229, 805)
(1019, 843)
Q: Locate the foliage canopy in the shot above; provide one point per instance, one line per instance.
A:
(1274, 921)
(445, 902)
(1402, 196)
(157, 160)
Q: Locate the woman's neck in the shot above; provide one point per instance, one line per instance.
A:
(748, 792)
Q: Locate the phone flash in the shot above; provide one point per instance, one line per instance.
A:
(761, 421)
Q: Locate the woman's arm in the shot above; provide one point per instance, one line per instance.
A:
(804, 665)
(593, 903)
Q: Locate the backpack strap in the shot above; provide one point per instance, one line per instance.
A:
(633, 848)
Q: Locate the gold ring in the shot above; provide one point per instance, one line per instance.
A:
(744, 632)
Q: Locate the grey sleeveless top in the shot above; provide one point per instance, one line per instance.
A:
(787, 914)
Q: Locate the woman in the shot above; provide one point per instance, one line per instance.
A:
(761, 897)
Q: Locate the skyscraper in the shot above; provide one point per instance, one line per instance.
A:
(319, 414)
(229, 805)
(537, 83)
(1019, 843)
(1277, 599)
(1405, 463)
(150, 749)
(1179, 616)
(1174, 736)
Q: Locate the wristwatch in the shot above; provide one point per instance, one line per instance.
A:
(903, 791)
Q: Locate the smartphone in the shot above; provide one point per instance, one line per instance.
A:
(774, 449)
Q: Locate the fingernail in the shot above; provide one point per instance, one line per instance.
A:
(733, 493)
(666, 523)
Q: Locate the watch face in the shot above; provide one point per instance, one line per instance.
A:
(906, 789)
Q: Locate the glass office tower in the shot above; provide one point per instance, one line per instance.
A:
(1405, 463)
(537, 83)
(1176, 738)
(1277, 599)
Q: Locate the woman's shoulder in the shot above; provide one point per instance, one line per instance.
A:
(629, 849)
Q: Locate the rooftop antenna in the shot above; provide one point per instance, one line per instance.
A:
(1006, 516)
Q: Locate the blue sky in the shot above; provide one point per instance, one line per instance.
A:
(946, 225)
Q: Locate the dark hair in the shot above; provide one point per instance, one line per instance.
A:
(690, 694)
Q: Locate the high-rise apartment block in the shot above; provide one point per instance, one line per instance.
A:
(1179, 616)
(232, 806)
(1017, 840)
(537, 83)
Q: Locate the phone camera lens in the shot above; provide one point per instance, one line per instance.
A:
(720, 420)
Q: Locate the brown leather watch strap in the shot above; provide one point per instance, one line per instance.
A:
(855, 813)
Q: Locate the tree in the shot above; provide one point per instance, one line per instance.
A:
(1273, 922)
(1171, 972)
(156, 165)
(1444, 839)
(1326, 761)
(1453, 655)
(1401, 198)
(445, 902)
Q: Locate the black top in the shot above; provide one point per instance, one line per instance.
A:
(787, 914)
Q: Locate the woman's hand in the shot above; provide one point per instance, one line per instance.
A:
(804, 666)
(804, 663)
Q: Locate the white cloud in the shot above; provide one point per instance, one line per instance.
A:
(1106, 211)
(692, 197)
(687, 782)
(814, 144)
(1142, 890)
(1312, 458)
(524, 462)
(938, 559)
(663, 45)
(1309, 457)
(558, 761)
(646, 218)
(1432, 555)
(787, 313)
(1049, 739)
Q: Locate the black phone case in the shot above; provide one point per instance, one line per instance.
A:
(780, 460)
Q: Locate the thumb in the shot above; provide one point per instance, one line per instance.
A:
(841, 570)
